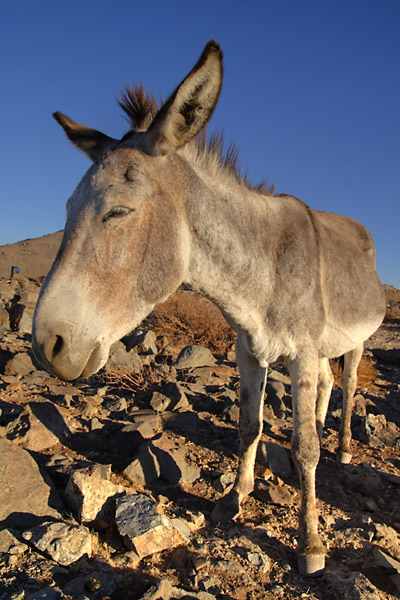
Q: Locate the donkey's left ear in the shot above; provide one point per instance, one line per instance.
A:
(90, 141)
(191, 105)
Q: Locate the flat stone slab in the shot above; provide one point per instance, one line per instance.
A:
(24, 495)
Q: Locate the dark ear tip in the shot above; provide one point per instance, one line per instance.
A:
(213, 46)
(58, 116)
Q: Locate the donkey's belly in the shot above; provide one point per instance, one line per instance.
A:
(336, 340)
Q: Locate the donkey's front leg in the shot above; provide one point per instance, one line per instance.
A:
(305, 450)
(252, 386)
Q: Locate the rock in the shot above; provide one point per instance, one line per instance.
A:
(391, 356)
(120, 358)
(274, 457)
(272, 494)
(142, 527)
(115, 404)
(4, 320)
(92, 499)
(194, 356)
(16, 312)
(143, 340)
(275, 391)
(387, 537)
(24, 495)
(377, 432)
(146, 422)
(38, 427)
(101, 581)
(395, 579)
(20, 364)
(10, 544)
(170, 397)
(260, 561)
(362, 479)
(49, 593)
(165, 591)
(224, 482)
(160, 459)
(351, 585)
(387, 562)
(63, 542)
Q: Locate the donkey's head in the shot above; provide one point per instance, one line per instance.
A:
(126, 239)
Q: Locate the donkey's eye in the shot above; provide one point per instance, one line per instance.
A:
(117, 211)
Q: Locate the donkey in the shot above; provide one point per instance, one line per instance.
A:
(157, 210)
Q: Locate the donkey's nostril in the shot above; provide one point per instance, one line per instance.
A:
(58, 344)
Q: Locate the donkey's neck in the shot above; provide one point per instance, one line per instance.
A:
(232, 233)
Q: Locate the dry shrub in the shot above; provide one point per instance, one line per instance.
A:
(366, 373)
(186, 318)
(119, 378)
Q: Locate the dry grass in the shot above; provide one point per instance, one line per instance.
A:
(148, 379)
(366, 374)
(186, 318)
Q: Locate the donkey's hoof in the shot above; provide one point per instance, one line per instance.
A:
(344, 458)
(312, 565)
(226, 509)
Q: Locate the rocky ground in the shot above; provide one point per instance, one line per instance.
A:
(108, 483)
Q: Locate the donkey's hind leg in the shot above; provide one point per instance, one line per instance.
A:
(349, 385)
(325, 383)
(252, 386)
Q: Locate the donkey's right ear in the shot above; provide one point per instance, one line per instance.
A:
(188, 109)
(93, 143)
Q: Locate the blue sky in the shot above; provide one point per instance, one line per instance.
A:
(311, 96)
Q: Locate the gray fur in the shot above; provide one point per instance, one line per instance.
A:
(153, 213)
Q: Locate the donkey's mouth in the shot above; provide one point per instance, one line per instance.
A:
(60, 359)
(96, 360)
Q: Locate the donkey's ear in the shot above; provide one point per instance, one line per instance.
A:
(91, 142)
(191, 105)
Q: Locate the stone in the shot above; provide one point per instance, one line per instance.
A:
(143, 340)
(194, 356)
(391, 356)
(351, 585)
(115, 404)
(11, 544)
(274, 457)
(165, 591)
(101, 581)
(272, 494)
(260, 561)
(38, 427)
(20, 364)
(92, 499)
(4, 320)
(169, 397)
(146, 422)
(24, 495)
(65, 543)
(386, 561)
(142, 527)
(224, 482)
(120, 358)
(275, 391)
(49, 593)
(377, 432)
(160, 458)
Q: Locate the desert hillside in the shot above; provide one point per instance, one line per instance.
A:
(34, 257)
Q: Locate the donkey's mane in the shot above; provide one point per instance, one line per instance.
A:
(209, 152)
